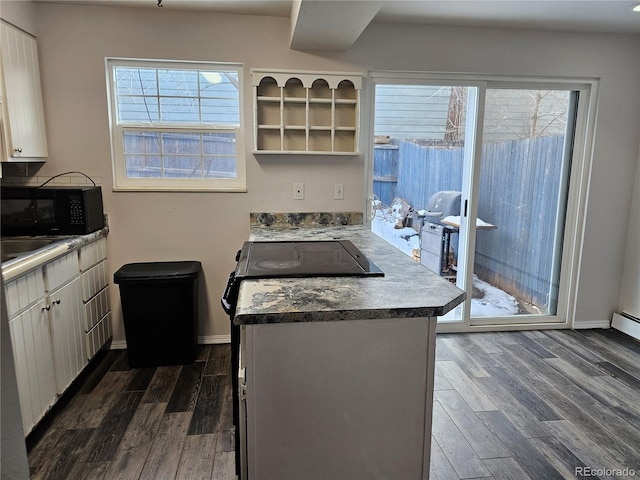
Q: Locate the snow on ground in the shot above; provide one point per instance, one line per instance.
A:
(404, 239)
(494, 302)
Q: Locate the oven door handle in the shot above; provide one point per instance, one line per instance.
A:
(226, 307)
(230, 295)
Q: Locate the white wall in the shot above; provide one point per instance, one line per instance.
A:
(630, 290)
(210, 227)
(20, 13)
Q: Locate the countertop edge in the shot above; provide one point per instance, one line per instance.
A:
(25, 263)
(341, 315)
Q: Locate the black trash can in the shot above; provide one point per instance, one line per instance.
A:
(160, 311)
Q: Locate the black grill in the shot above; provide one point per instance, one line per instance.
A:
(435, 237)
(443, 204)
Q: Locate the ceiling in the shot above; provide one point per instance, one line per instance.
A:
(336, 24)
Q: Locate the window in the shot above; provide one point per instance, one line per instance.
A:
(176, 125)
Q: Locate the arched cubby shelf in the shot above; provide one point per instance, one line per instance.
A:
(306, 112)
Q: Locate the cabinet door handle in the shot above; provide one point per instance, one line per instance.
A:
(18, 150)
(48, 307)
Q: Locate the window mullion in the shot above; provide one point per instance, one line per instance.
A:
(158, 104)
(161, 149)
(201, 155)
(199, 97)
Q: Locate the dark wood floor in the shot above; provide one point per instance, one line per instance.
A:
(519, 405)
(536, 405)
(144, 423)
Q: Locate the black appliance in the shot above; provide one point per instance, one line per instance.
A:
(51, 210)
(443, 204)
(314, 258)
(435, 236)
(296, 259)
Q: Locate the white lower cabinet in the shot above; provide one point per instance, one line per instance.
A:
(67, 333)
(54, 331)
(341, 399)
(33, 358)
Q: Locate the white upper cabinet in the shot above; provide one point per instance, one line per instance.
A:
(21, 114)
(306, 112)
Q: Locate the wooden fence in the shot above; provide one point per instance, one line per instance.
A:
(519, 193)
(180, 155)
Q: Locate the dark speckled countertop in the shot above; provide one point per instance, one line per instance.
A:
(408, 289)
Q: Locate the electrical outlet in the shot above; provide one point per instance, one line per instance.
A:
(338, 191)
(298, 191)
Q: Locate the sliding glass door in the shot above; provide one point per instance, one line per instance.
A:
(525, 162)
(472, 180)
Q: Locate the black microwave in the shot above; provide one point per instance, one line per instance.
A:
(51, 210)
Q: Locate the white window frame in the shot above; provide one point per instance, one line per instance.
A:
(123, 183)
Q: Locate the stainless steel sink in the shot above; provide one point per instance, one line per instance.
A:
(15, 247)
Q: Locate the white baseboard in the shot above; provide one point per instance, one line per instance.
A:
(118, 345)
(591, 324)
(214, 339)
(203, 340)
(626, 324)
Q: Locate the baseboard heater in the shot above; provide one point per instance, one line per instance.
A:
(626, 323)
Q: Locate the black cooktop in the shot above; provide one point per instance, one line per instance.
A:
(296, 259)
(303, 259)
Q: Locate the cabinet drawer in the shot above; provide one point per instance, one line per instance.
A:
(24, 291)
(98, 335)
(60, 271)
(94, 280)
(96, 308)
(92, 254)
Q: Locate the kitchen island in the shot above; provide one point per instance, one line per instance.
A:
(337, 372)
